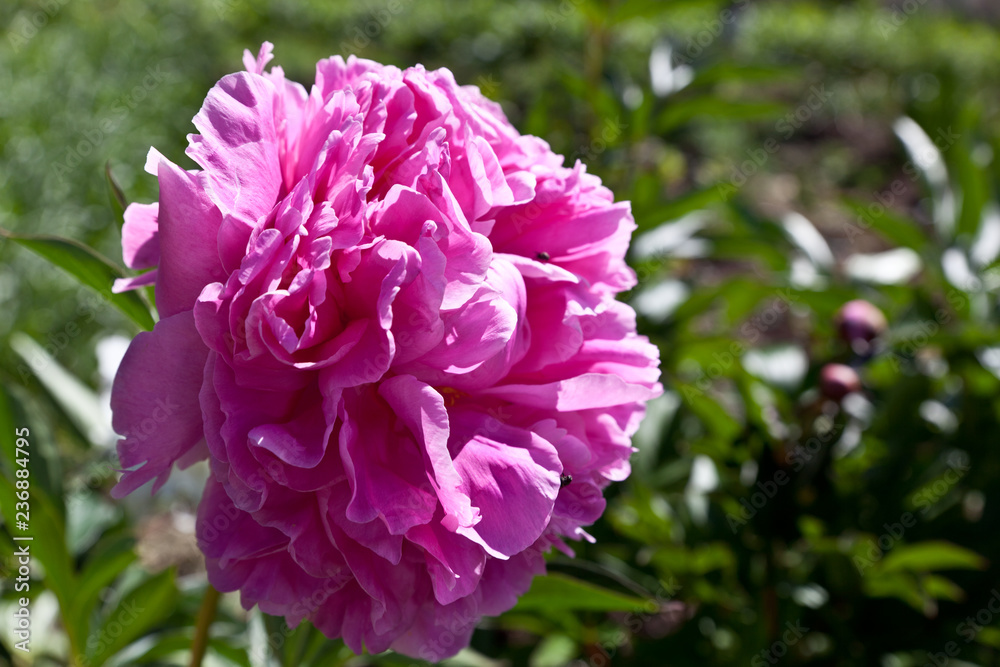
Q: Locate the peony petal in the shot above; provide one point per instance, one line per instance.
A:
(135, 282)
(140, 245)
(422, 410)
(591, 390)
(237, 146)
(385, 468)
(511, 475)
(154, 401)
(188, 223)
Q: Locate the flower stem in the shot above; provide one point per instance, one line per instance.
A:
(205, 616)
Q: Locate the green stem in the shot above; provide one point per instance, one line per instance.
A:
(205, 616)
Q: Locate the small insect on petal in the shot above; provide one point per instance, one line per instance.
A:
(565, 480)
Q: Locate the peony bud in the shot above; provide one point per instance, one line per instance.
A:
(837, 381)
(859, 323)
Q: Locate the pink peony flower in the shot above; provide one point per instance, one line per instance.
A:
(388, 322)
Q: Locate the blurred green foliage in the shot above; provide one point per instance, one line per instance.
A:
(780, 158)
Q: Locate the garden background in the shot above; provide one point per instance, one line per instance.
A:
(782, 158)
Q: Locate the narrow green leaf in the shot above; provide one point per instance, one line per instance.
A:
(715, 418)
(8, 445)
(137, 613)
(931, 556)
(90, 268)
(118, 201)
(897, 585)
(234, 654)
(941, 588)
(725, 72)
(100, 573)
(894, 228)
(926, 155)
(559, 592)
(682, 205)
(77, 400)
(971, 179)
(989, 637)
(699, 108)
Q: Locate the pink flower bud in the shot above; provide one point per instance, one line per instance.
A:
(859, 323)
(837, 381)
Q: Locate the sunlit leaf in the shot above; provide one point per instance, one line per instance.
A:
(89, 268)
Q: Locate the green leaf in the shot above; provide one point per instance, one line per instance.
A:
(118, 201)
(8, 446)
(137, 613)
(715, 418)
(553, 651)
(724, 72)
(637, 9)
(699, 108)
(930, 556)
(989, 637)
(79, 402)
(88, 267)
(940, 588)
(101, 570)
(894, 228)
(315, 646)
(700, 560)
(972, 180)
(560, 592)
(927, 158)
(898, 585)
(691, 201)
